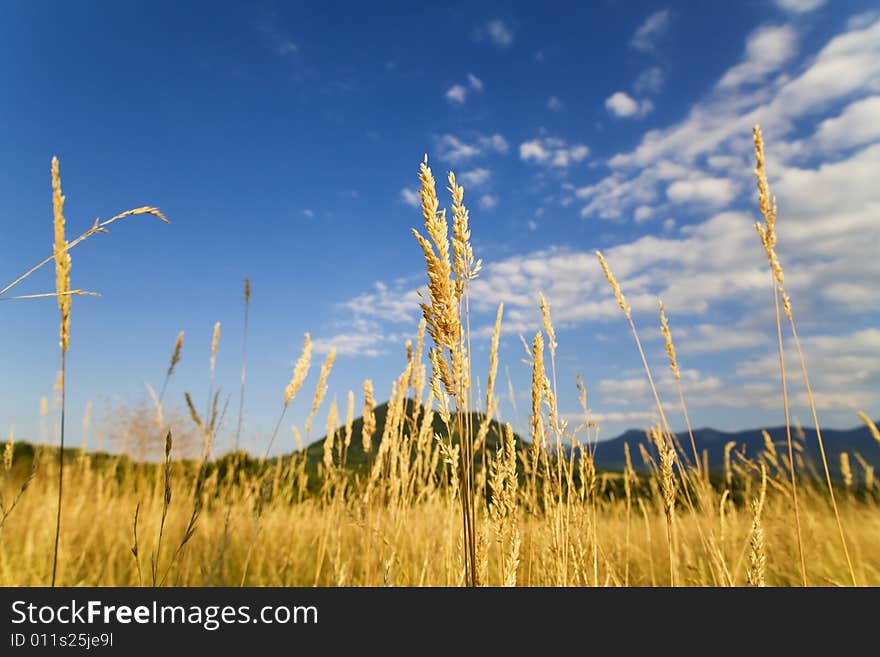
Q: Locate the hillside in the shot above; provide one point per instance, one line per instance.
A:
(610, 454)
(358, 459)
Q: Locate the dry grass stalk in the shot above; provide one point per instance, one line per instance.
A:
(175, 356)
(767, 233)
(330, 440)
(247, 305)
(539, 386)
(97, 227)
(8, 451)
(728, 471)
(320, 389)
(846, 471)
(667, 487)
(62, 288)
(349, 421)
(369, 426)
(300, 371)
(215, 342)
(875, 432)
(868, 470)
(175, 359)
(447, 301)
(166, 502)
(676, 373)
(756, 574)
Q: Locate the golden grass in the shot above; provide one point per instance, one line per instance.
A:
(420, 511)
(413, 544)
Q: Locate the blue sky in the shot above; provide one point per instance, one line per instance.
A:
(283, 142)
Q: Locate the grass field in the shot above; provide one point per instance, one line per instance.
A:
(434, 489)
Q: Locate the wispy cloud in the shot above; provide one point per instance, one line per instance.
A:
(488, 201)
(650, 81)
(554, 104)
(552, 151)
(622, 105)
(410, 197)
(858, 124)
(455, 150)
(714, 139)
(351, 344)
(767, 50)
(799, 6)
(475, 177)
(500, 33)
(456, 94)
(716, 192)
(651, 30)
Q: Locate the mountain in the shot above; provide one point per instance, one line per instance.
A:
(358, 459)
(610, 454)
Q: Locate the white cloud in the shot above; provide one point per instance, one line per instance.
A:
(715, 338)
(410, 197)
(533, 150)
(554, 104)
(717, 192)
(652, 29)
(475, 83)
(309, 213)
(500, 33)
(643, 213)
(455, 150)
(618, 417)
(474, 177)
(487, 201)
(495, 143)
(649, 81)
(621, 104)
(799, 6)
(350, 344)
(637, 391)
(552, 151)
(844, 369)
(717, 129)
(858, 124)
(398, 304)
(456, 94)
(767, 50)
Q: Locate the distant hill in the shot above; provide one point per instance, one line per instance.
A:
(610, 455)
(357, 459)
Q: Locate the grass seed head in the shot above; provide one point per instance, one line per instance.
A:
(618, 294)
(300, 371)
(62, 257)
